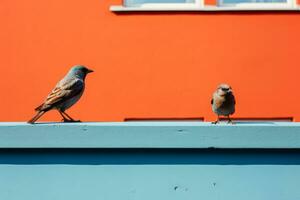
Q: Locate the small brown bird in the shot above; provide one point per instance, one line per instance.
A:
(66, 93)
(223, 102)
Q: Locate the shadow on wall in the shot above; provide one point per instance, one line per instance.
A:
(201, 119)
(150, 156)
(199, 12)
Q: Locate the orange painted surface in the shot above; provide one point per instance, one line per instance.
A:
(147, 65)
(210, 2)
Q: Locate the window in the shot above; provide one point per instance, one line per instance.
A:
(162, 3)
(200, 5)
(257, 3)
(141, 2)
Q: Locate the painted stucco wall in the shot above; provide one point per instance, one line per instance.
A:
(147, 64)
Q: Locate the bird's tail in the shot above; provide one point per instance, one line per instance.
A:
(36, 117)
(39, 107)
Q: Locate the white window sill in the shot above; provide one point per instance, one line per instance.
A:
(120, 8)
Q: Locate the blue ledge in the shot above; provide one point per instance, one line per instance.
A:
(150, 135)
(114, 172)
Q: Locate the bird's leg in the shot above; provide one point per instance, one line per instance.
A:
(229, 120)
(217, 121)
(71, 119)
(65, 119)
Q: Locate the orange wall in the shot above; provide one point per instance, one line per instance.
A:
(150, 64)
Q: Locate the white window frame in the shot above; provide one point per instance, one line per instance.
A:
(196, 4)
(199, 5)
(260, 5)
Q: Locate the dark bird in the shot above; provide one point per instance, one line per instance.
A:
(223, 102)
(65, 94)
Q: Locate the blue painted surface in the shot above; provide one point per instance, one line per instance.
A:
(139, 2)
(110, 182)
(150, 135)
(134, 161)
(253, 1)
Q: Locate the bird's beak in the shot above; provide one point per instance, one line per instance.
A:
(90, 71)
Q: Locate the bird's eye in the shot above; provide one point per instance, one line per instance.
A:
(225, 89)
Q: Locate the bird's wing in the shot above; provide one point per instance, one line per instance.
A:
(233, 100)
(61, 93)
(217, 100)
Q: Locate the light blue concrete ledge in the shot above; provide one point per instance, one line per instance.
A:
(150, 135)
(113, 172)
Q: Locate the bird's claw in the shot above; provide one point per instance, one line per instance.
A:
(230, 122)
(215, 122)
(67, 120)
